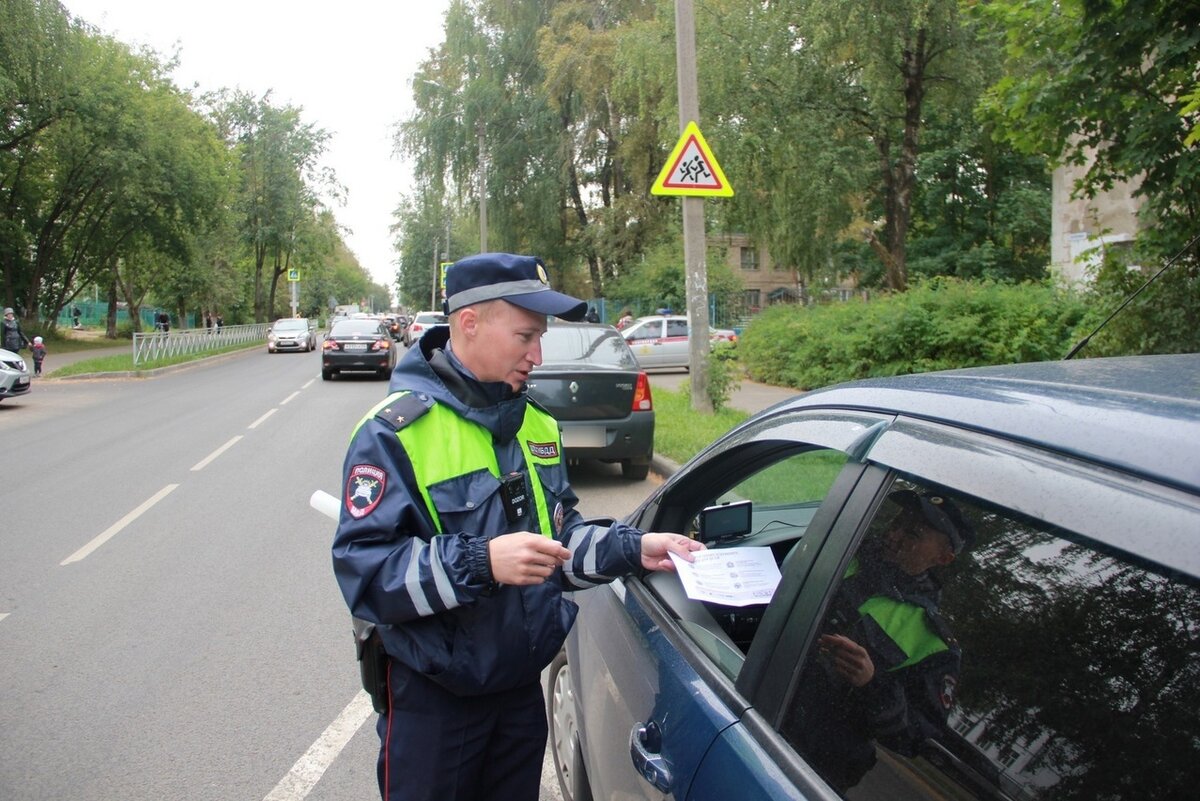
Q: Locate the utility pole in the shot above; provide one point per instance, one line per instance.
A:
(433, 304)
(483, 222)
(694, 253)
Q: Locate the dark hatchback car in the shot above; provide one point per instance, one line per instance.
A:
(357, 345)
(590, 382)
(1055, 655)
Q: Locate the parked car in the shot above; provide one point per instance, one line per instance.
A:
(662, 340)
(14, 375)
(592, 385)
(420, 323)
(1055, 655)
(356, 346)
(291, 333)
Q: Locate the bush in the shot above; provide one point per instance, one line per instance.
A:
(724, 376)
(939, 324)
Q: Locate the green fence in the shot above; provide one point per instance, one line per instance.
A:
(95, 313)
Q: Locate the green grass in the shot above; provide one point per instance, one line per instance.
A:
(680, 433)
(123, 363)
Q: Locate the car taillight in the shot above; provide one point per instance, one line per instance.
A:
(329, 344)
(380, 344)
(642, 402)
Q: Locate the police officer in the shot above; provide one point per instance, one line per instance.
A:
(458, 535)
(887, 664)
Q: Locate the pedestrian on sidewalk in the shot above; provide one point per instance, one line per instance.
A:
(39, 355)
(13, 337)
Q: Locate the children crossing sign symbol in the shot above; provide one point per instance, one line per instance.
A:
(692, 169)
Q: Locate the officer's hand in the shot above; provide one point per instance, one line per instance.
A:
(849, 659)
(525, 558)
(657, 545)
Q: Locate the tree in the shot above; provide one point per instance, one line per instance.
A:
(278, 156)
(128, 157)
(1105, 83)
(876, 65)
(558, 106)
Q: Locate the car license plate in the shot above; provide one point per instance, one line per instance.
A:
(355, 346)
(584, 437)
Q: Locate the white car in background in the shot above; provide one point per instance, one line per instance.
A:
(291, 333)
(14, 375)
(662, 340)
(421, 323)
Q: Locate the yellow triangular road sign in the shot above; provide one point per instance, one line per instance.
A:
(691, 169)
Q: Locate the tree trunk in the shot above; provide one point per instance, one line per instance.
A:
(899, 178)
(110, 319)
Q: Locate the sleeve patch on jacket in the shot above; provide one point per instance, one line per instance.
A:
(364, 489)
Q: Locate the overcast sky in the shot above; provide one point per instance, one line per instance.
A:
(348, 64)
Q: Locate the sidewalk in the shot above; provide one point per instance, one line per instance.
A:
(750, 397)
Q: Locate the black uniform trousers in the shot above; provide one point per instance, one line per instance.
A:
(437, 746)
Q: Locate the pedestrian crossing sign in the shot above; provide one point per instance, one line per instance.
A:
(293, 274)
(692, 169)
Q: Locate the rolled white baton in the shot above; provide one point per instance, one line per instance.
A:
(325, 503)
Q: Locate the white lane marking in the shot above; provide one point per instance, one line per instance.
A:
(203, 463)
(4, 615)
(289, 397)
(264, 417)
(307, 771)
(112, 530)
(308, 383)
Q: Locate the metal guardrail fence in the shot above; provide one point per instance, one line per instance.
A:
(152, 345)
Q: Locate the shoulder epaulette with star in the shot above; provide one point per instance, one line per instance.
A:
(403, 409)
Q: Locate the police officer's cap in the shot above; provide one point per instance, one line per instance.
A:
(940, 513)
(520, 280)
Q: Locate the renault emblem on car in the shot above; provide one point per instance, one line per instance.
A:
(574, 387)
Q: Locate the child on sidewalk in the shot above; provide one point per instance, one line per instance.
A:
(39, 355)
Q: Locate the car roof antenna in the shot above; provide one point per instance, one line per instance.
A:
(1083, 342)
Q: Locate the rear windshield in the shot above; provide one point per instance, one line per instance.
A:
(430, 319)
(589, 344)
(344, 328)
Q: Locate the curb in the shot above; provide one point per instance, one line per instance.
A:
(662, 466)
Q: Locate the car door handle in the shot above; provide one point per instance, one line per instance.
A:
(645, 742)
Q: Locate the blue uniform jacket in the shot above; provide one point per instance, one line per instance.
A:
(433, 599)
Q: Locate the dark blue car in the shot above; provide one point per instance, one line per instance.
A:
(989, 590)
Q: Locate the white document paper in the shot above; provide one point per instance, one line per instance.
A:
(730, 576)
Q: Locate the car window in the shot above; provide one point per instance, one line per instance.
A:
(649, 330)
(1034, 664)
(430, 319)
(677, 328)
(291, 325)
(785, 491)
(351, 327)
(591, 345)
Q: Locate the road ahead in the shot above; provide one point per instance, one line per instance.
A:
(169, 623)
